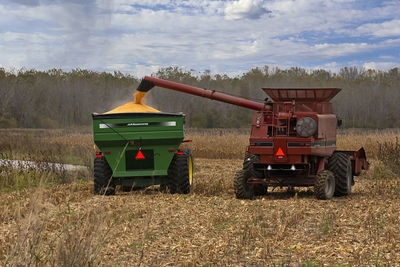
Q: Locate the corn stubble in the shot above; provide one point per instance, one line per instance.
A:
(66, 225)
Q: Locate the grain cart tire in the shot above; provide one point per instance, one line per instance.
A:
(340, 164)
(102, 176)
(126, 188)
(180, 173)
(324, 186)
(248, 164)
(163, 188)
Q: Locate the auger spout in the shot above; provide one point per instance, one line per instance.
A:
(149, 82)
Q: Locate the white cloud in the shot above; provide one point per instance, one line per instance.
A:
(384, 29)
(339, 50)
(330, 66)
(142, 70)
(381, 65)
(139, 36)
(386, 57)
(119, 66)
(245, 9)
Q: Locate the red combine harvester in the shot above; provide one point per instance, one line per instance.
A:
(292, 142)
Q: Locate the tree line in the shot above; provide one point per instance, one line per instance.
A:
(57, 98)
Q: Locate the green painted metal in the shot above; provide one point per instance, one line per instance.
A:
(120, 136)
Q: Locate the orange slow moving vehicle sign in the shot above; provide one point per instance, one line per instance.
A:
(280, 153)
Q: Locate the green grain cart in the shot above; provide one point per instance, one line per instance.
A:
(137, 150)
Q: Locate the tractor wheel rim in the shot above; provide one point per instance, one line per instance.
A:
(348, 178)
(328, 186)
(190, 170)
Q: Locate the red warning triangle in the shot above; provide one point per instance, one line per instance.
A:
(140, 155)
(280, 152)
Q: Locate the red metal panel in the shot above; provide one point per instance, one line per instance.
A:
(280, 150)
(323, 151)
(302, 94)
(261, 150)
(327, 127)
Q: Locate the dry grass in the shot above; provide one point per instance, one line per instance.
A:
(389, 154)
(65, 225)
(64, 146)
(353, 139)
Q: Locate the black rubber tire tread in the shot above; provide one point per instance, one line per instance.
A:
(248, 164)
(319, 185)
(102, 175)
(242, 189)
(126, 188)
(260, 189)
(178, 173)
(340, 164)
(163, 188)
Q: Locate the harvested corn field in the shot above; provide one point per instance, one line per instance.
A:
(64, 224)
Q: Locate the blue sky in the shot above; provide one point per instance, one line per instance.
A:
(141, 36)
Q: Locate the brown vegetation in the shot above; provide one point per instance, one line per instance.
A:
(66, 225)
(56, 98)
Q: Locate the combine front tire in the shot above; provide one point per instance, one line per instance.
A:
(103, 185)
(248, 164)
(242, 189)
(340, 164)
(324, 186)
(180, 173)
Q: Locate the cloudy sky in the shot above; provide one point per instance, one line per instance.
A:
(140, 36)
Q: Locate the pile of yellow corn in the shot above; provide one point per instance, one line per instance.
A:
(137, 106)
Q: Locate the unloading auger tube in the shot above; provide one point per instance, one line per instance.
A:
(149, 82)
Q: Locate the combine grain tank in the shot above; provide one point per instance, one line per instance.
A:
(292, 142)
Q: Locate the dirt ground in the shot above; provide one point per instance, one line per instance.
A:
(67, 225)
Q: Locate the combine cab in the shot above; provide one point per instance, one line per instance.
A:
(292, 142)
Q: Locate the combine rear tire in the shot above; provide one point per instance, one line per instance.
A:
(340, 164)
(324, 186)
(102, 175)
(180, 173)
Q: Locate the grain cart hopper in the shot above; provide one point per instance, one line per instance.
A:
(292, 142)
(139, 149)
